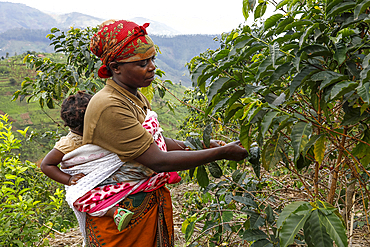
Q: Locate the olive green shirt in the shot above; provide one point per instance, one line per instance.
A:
(115, 124)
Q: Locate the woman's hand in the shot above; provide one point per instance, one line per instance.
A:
(73, 179)
(216, 143)
(235, 151)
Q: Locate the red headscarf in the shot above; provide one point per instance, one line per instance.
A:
(121, 41)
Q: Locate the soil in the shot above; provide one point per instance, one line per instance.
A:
(73, 238)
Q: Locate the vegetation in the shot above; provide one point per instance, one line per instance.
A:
(172, 59)
(294, 89)
(297, 88)
(31, 206)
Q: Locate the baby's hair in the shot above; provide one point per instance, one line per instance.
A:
(73, 110)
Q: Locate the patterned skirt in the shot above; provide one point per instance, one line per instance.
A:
(150, 226)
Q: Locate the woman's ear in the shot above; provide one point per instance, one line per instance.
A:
(114, 67)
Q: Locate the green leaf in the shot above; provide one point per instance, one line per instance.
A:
(334, 228)
(315, 232)
(260, 10)
(300, 78)
(251, 50)
(328, 77)
(331, 4)
(340, 54)
(361, 7)
(215, 169)
(220, 55)
(319, 149)
(271, 154)
(316, 50)
(148, 92)
(287, 211)
(262, 243)
(297, 24)
(207, 132)
(246, 8)
(364, 92)
(311, 142)
(282, 4)
(253, 235)
(280, 71)
(306, 33)
(342, 88)
(256, 220)
(346, 32)
(365, 61)
(254, 159)
(189, 230)
(270, 218)
(283, 24)
(300, 136)
(263, 66)
(353, 115)
(246, 201)
(244, 135)
(227, 216)
(291, 227)
(272, 20)
(364, 74)
(266, 121)
(340, 8)
(363, 150)
(202, 176)
(274, 52)
(215, 86)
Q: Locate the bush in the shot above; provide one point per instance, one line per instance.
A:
(31, 206)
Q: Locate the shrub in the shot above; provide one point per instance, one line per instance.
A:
(31, 206)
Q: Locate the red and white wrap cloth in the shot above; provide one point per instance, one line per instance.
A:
(99, 164)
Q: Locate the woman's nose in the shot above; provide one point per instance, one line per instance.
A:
(151, 64)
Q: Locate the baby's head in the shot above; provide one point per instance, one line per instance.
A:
(73, 111)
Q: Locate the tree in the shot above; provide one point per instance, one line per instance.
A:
(298, 86)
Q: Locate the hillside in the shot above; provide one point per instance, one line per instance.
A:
(16, 15)
(24, 29)
(176, 50)
(23, 114)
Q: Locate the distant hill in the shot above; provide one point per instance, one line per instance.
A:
(24, 29)
(18, 15)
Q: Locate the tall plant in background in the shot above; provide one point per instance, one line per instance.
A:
(298, 85)
(56, 81)
(32, 208)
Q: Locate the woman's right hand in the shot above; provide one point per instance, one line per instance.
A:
(235, 151)
(73, 179)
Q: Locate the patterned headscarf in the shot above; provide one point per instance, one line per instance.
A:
(121, 41)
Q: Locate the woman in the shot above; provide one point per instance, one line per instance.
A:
(114, 121)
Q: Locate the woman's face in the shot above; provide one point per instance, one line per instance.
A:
(134, 75)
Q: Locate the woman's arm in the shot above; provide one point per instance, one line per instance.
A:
(173, 144)
(160, 161)
(179, 145)
(49, 166)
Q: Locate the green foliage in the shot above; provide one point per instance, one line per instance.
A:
(56, 81)
(296, 84)
(30, 204)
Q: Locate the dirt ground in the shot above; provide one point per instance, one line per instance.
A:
(73, 238)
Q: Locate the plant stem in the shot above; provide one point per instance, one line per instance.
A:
(334, 180)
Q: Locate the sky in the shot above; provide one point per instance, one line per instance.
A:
(187, 16)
